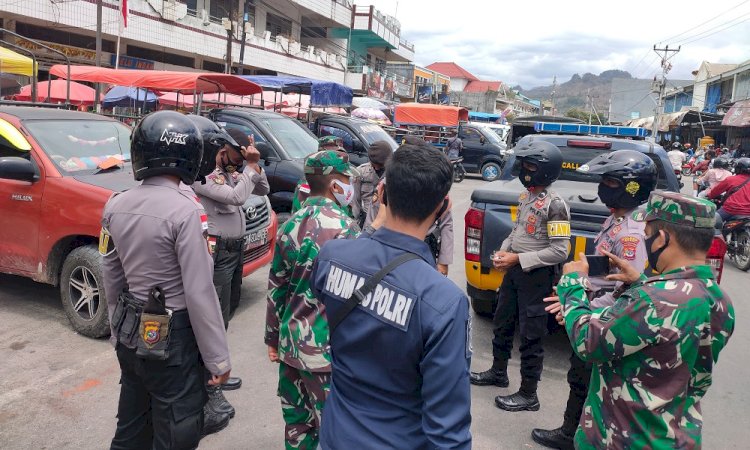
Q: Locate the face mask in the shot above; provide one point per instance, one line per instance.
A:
(379, 172)
(526, 177)
(229, 167)
(346, 197)
(610, 196)
(653, 256)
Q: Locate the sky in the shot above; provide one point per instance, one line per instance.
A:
(529, 42)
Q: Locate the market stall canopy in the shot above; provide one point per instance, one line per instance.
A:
(485, 117)
(301, 113)
(80, 94)
(188, 101)
(432, 115)
(738, 115)
(372, 114)
(367, 102)
(129, 96)
(12, 62)
(160, 80)
(322, 93)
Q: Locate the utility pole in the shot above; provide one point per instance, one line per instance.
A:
(665, 54)
(97, 86)
(552, 96)
(241, 69)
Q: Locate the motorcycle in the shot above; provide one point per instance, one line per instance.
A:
(459, 173)
(736, 231)
(695, 168)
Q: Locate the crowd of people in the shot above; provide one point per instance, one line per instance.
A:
(356, 275)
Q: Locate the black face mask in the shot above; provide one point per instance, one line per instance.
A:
(379, 172)
(228, 167)
(526, 177)
(653, 256)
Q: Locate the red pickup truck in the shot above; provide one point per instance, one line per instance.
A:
(52, 192)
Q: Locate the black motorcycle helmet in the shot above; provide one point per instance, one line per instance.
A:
(214, 139)
(166, 143)
(721, 163)
(634, 171)
(677, 146)
(742, 166)
(545, 156)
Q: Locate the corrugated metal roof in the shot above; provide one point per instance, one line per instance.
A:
(483, 86)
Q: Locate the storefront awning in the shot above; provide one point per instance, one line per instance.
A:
(738, 115)
(12, 62)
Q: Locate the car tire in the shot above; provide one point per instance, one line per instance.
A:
(482, 307)
(82, 292)
(491, 171)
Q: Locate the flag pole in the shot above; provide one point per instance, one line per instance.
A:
(117, 56)
(123, 22)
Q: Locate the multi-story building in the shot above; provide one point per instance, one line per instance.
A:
(421, 84)
(308, 38)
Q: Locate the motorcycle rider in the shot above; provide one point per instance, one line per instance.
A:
(718, 173)
(676, 157)
(736, 203)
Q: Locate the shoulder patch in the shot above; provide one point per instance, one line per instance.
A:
(629, 247)
(304, 188)
(106, 244)
(386, 303)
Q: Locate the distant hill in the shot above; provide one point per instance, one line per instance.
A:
(572, 93)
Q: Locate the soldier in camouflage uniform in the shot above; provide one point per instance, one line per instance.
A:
(627, 179)
(296, 328)
(655, 348)
(302, 191)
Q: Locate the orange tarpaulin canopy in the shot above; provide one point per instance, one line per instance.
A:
(428, 114)
(160, 80)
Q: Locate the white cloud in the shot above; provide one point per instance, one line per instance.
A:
(529, 42)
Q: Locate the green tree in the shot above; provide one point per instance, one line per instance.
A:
(576, 113)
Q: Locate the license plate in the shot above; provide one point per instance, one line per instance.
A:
(256, 239)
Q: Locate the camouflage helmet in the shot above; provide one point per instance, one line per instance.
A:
(679, 209)
(327, 162)
(327, 142)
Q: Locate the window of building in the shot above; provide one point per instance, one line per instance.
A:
(192, 7)
(213, 66)
(167, 57)
(278, 25)
(57, 36)
(218, 9)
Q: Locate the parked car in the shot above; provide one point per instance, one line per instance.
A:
(494, 209)
(52, 193)
(357, 135)
(283, 144)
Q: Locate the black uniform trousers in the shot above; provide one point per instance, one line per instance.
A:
(579, 377)
(161, 402)
(227, 264)
(520, 301)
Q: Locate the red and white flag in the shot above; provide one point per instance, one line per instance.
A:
(123, 14)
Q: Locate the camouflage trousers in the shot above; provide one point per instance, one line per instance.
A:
(302, 396)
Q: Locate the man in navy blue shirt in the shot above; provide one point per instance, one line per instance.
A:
(401, 357)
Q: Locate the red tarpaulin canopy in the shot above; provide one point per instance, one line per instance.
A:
(738, 115)
(188, 101)
(160, 80)
(428, 114)
(80, 94)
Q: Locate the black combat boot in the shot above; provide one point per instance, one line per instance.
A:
(558, 438)
(523, 400)
(231, 384)
(213, 420)
(497, 375)
(217, 402)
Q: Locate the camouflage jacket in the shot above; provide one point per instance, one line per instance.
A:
(655, 349)
(295, 320)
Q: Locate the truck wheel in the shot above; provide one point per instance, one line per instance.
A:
(490, 171)
(82, 293)
(482, 307)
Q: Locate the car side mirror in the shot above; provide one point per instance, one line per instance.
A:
(16, 168)
(264, 149)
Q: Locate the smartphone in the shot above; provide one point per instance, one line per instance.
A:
(598, 265)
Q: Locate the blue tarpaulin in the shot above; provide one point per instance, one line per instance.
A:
(713, 97)
(322, 93)
(474, 115)
(129, 96)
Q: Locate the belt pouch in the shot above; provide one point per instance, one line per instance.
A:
(153, 336)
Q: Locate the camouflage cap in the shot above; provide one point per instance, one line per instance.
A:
(326, 142)
(327, 162)
(679, 209)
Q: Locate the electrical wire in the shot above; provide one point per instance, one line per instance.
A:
(718, 31)
(703, 23)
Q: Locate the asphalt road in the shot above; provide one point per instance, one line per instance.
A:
(59, 390)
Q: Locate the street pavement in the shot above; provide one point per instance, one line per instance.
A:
(59, 390)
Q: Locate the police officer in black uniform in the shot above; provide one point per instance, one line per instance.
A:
(164, 313)
(530, 255)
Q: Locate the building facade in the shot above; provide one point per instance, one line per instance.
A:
(322, 39)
